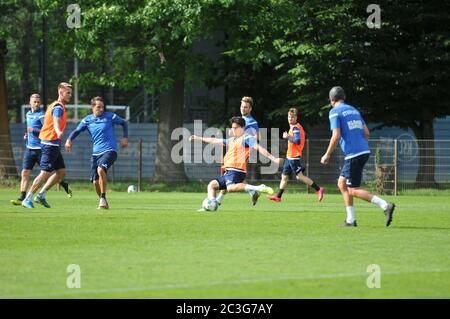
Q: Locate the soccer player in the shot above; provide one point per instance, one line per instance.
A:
(292, 164)
(32, 154)
(352, 134)
(100, 125)
(52, 163)
(251, 128)
(235, 160)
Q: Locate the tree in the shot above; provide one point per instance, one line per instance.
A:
(7, 164)
(152, 43)
(396, 75)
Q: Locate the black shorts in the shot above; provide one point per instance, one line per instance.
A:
(353, 169)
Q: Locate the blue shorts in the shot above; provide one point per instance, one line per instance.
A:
(51, 158)
(294, 165)
(30, 158)
(229, 178)
(353, 168)
(105, 161)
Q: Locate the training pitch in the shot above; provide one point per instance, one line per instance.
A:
(155, 245)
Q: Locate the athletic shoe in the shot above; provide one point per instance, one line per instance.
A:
(266, 189)
(389, 212)
(255, 197)
(27, 203)
(345, 224)
(320, 193)
(274, 198)
(103, 204)
(41, 200)
(16, 202)
(67, 188)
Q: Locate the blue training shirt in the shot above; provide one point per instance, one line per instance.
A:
(102, 131)
(353, 142)
(251, 126)
(35, 120)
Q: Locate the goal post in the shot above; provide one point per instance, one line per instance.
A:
(76, 112)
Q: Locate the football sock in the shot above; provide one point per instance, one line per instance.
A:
(249, 188)
(379, 202)
(42, 193)
(103, 195)
(350, 214)
(22, 195)
(219, 198)
(315, 186)
(29, 196)
(64, 185)
(280, 193)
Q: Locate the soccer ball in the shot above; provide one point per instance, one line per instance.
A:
(132, 189)
(209, 205)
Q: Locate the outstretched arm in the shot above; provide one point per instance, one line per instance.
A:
(266, 153)
(209, 140)
(81, 127)
(331, 146)
(120, 121)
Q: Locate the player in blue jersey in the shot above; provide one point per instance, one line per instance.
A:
(100, 125)
(351, 133)
(252, 129)
(32, 154)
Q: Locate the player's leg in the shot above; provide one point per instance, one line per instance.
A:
(213, 186)
(57, 163)
(354, 189)
(308, 181)
(283, 185)
(104, 162)
(343, 180)
(285, 173)
(235, 183)
(219, 198)
(30, 157)
(65, 185)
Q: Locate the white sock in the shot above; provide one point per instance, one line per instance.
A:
(350, 214)
(42, 193)
(219, 198)
(29, 196)
(249, 188)
(379, 202)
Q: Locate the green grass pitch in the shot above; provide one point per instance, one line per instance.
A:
(155, 245)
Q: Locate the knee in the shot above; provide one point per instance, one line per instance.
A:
(25, 173)
(352, 191)
(61, 173)
(341, 184)
(212, 185)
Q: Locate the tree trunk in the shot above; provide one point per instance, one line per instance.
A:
(7, 164)
(425, 134)
(170, 117)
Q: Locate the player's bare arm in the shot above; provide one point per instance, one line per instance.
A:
(332, 146)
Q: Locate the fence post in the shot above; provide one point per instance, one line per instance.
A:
(395, 166)
(308, 188)
(139, 164)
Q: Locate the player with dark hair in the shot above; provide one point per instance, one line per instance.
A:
(100, 125)
(351, 133)
(235, 160)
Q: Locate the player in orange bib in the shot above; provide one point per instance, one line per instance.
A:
(235, 160)
(296, 142)
(51, 158)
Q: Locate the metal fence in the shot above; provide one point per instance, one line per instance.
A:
(394, 165)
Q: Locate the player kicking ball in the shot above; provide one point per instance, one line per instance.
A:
(235, 162)
(296, 142)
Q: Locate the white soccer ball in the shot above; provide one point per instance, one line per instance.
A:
(132, 189)
(209, 204)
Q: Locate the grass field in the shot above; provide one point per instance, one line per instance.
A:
(155, 245)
